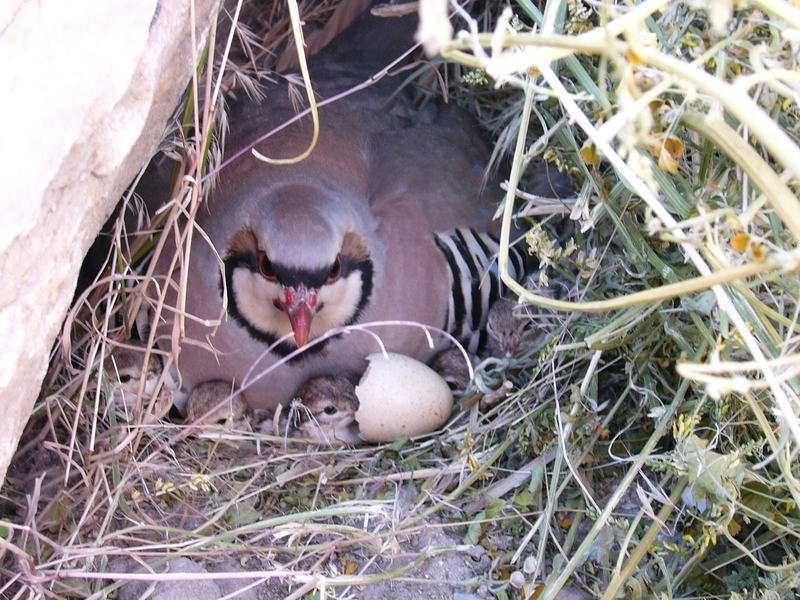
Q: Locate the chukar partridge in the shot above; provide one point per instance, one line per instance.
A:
(385, 220)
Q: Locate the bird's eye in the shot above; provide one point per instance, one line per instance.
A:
(124, 378)
(335, 272)
(265, 267)
(330, 410)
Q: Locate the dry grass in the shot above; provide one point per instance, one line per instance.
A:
(648, 447)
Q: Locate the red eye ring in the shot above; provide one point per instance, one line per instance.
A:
(335, 272)
(265, 267)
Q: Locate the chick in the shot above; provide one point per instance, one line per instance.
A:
(329, 414)
(125, 369)
(228, 407)
(505, 330)
(323, 410)
(452, 366)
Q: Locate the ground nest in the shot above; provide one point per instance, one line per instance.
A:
(640, 443)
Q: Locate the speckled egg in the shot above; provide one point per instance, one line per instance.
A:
(400, 397)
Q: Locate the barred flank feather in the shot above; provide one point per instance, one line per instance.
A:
(474, 281)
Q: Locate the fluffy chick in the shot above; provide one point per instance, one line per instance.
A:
(505, 330)
(451, 365)
(125, 368)
(323, 410)
(228, 407)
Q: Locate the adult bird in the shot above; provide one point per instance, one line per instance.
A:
(386, 219)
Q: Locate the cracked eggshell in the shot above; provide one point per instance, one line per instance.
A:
(399, 396)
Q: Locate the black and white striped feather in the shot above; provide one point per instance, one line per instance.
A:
(474, 281)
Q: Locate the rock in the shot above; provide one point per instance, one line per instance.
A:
(571, 593)
(89, 87)
(232, 586)
(196, 589)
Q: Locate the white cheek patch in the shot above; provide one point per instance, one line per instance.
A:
(254, 300)
(255, 296)
(340, 301)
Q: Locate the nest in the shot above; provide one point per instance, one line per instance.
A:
(643, 442)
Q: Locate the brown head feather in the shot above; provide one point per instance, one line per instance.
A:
(354, 247)
(243, 242)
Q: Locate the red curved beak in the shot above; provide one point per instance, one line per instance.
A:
(301, 306)
(300, 317)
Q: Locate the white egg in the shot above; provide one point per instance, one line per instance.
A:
(399, 397)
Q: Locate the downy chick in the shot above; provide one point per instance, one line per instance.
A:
(125, 368)
(506, 330)
(451, 365)
(228, 407)
(323, 410)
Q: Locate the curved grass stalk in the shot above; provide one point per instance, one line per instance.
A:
(645, 544)
(782, 10)
(553, 47)
(708, 280)
(297, 30)
(732, 97)
(714, 128)
(737, 102)
(580, 554)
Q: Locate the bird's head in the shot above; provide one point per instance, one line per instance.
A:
(326, 410)
(293, 271)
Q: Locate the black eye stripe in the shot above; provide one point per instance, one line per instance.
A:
(335, 271)
(293, 277)
(249, 261)
(265, 267)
